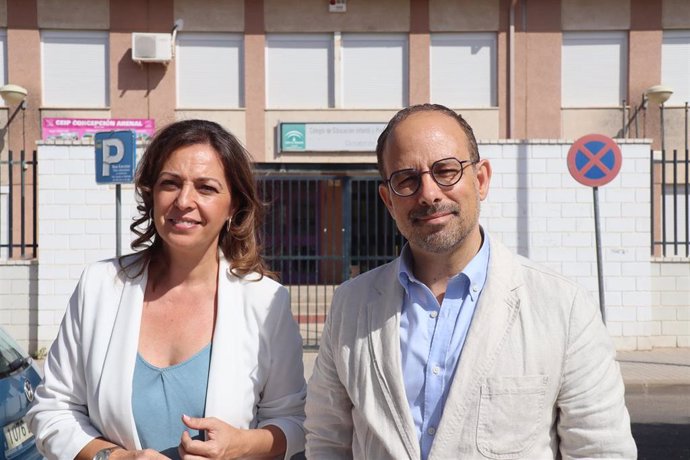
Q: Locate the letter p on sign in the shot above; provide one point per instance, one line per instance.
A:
(113, 152)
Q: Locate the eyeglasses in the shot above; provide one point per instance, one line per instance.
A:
(446, 173)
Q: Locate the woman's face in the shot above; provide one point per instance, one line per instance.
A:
(191, 200)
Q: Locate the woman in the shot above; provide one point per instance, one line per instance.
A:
(186, 347)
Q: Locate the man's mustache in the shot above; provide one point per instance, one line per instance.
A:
(426, 211)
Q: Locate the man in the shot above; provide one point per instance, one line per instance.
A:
(459, 348)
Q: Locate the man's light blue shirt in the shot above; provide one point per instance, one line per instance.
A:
(432, 337)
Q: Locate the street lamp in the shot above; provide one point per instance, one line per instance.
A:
(658, 94)
(13, 94)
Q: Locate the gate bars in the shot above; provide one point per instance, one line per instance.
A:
(9, 200)
(320, 230)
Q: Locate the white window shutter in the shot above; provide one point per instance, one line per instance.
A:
(209, 71)
(463, 69)
(594, 69)
(299, 71)
(675, 65)
(75, 68)
(3, 60)
(374, 71)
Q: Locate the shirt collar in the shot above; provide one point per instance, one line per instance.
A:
(475, 270)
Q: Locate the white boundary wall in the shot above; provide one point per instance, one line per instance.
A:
(4, 217)
(539, 210)
(18, 297)
(76, 227)
(534, 206)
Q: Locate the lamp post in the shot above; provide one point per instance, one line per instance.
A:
(658, 94)
(14, 95)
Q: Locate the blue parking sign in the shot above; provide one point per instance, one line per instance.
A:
(115, 157)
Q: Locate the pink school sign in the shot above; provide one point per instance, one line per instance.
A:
(72, 129)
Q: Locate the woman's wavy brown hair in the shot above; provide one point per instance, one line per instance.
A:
(240, 244)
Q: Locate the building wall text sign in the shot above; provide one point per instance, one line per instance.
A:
(329, 137)
(74, 129)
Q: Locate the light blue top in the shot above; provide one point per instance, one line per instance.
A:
(161, 396)
(432, 337)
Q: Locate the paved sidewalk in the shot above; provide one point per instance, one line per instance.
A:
(657, 367)
(657, 391)
(640, 369)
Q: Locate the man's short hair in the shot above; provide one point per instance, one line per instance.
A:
(406, 112)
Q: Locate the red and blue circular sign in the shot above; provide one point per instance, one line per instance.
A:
(594, 160)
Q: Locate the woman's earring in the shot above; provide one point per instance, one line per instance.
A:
(227, 224)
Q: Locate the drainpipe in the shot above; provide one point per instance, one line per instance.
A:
(511, 71)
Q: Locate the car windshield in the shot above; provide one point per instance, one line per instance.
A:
(10, 357)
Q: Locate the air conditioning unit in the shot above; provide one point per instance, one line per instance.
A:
(148, 47)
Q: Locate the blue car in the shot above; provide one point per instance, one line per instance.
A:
(18, 378)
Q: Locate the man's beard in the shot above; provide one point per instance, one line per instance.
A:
(448, 236)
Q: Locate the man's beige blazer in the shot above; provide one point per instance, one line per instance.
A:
(536, 378)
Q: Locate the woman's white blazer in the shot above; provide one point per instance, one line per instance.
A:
(256, 375)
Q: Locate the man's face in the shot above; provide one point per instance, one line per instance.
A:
(435, 219)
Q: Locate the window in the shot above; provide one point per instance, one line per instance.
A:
(209, 71)
(675, 65)
(302, 71)
(71, 60)
(374, 71)
(299, 71)
(3, 60)
(593, 69)
(463, 69)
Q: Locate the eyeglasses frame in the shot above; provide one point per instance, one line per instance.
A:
(463, 165)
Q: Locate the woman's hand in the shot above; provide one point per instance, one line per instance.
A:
(225, 441)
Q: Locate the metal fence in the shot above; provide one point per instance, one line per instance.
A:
(320, 230)
(670, 204)
(18, 195)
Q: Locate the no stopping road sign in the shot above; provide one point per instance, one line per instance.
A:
(594, 160)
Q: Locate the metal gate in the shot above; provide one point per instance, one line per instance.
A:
(319, 231)
(670, 203)
(18, 206)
